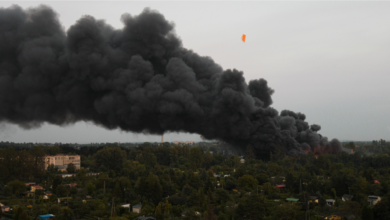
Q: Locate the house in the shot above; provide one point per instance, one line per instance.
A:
(330, 202)
(126, 206)
(137, 208)
(281, 186)
(145, 218)
(46, 217)
(242, 160)
(373, 200)
(291, 200)
(36, 187)
(5, 208)
(347, 197)
(376, 182)
(183, 214)
(313, 199)
(30, 184)
(341, 216)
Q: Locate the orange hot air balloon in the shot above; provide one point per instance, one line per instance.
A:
(243, 37)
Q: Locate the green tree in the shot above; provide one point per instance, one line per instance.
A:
(18, 212)
(66, 214)
(90, 188)
(62, 191)
(24, 216)
(207, 159)
(253, 207)
(71, 168)
(56, 182)
(351, 207)
(209, 214)
(196, 157)
(17, 186)
(150, 187)
(166, 209)
(117, 191)
(38, 155)
(158, 213)
(222, 196)
(247, 182)
(81, 175)
(147, 209)
(112, 158)
(382, 209)
(367, 213)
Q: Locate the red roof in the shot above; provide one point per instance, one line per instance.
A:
(281, 186)
(376, 181)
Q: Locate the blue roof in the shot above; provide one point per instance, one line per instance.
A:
(46, 216)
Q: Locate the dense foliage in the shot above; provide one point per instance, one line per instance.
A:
(196, 182)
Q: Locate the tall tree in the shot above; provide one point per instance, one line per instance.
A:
(38, 155)
(196, 157)
(71, 168)
(117, 191)
(158, 213)
(166, 209)
(112, 158)
(209, 214)
(207, 159)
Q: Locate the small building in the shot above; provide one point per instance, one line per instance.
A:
(291, 200)
(330, 202)
(313, 199)
(126, 206)
(341, 216)
(183, 214)
(36, 187)
(5, 208)
(347, 197)
(242, 160)
(67, 175)
(30, 184)
(137, 208)
(46, 217)
(373, 200)
(376, 182)
(281, 186)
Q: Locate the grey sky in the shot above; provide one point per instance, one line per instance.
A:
(328, 60)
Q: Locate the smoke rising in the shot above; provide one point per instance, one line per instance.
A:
(139, 79)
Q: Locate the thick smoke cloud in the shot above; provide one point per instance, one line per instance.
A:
(139, 79)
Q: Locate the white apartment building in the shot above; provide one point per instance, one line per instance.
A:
(61, 161)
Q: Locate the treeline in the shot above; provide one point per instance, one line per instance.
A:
(175, 182)
(24, 164)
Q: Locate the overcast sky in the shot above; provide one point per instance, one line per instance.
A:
(328, 60)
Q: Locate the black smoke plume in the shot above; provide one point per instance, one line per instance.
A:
(139, 79)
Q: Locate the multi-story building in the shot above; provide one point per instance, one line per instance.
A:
(61, 161)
